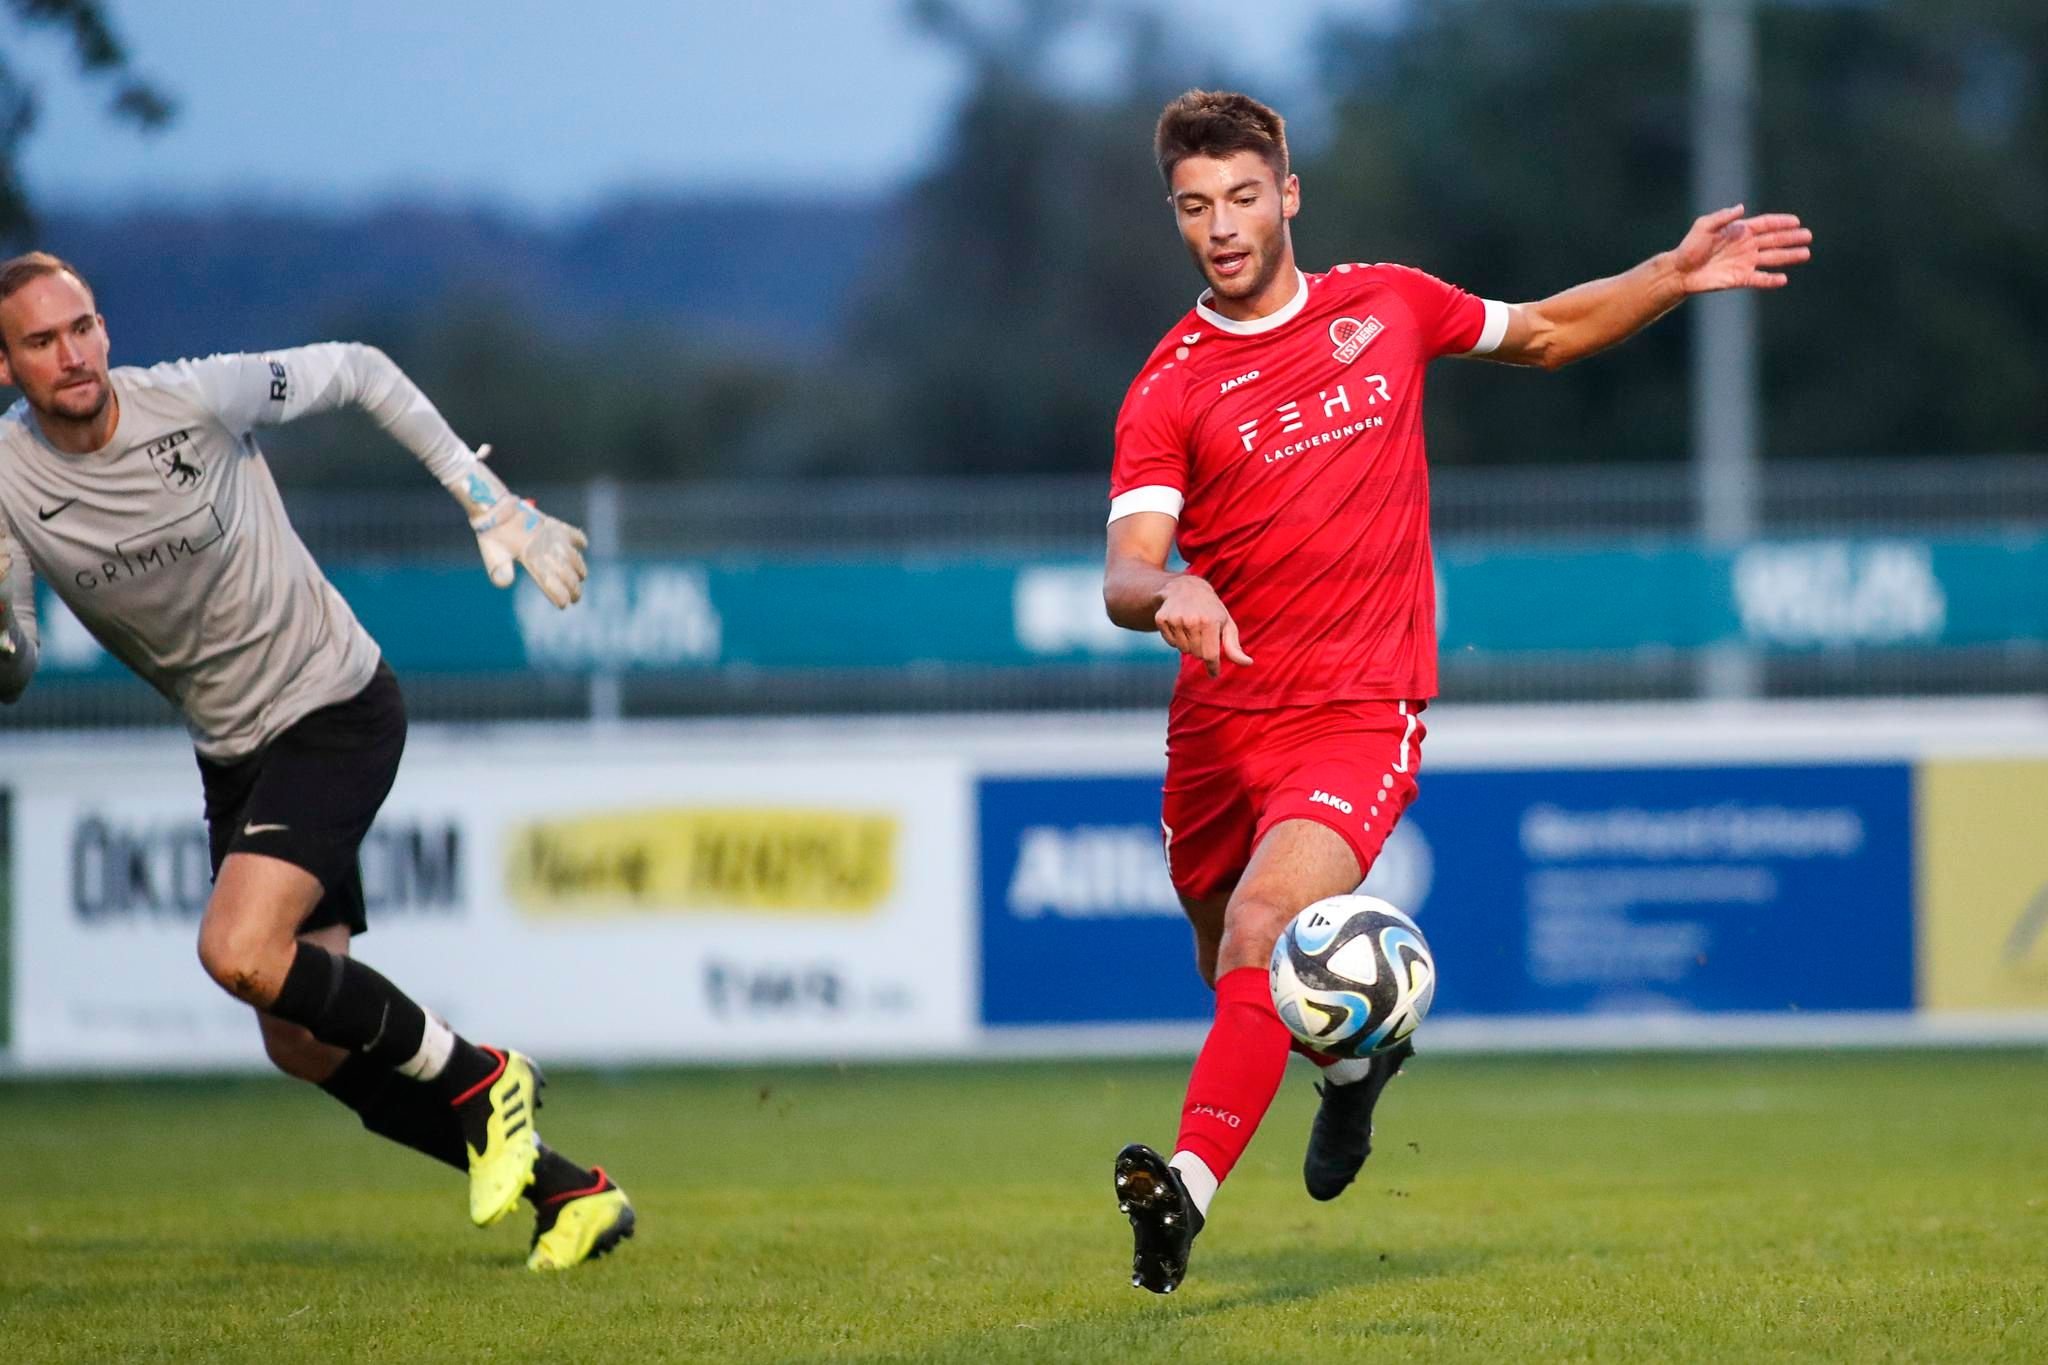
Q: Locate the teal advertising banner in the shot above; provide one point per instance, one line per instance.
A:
(1022, 610)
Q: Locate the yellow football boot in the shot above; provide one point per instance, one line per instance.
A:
(497, 1128)
(580, 1225)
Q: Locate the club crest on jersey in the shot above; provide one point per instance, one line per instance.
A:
(1350, 336)
(168, 454)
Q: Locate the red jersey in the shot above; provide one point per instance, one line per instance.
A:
(1290, 448)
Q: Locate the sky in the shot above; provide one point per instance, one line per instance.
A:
(551, 108)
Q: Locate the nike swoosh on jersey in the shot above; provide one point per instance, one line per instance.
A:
(264, 829)
(45, 513)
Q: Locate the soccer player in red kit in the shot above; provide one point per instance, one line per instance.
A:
(1275, 434)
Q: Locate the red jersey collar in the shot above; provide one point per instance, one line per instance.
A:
(1279, 317)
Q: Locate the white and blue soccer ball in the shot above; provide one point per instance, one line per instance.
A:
(1352, 976)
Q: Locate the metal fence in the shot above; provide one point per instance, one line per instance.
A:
(1804, 497)
(1064, 516)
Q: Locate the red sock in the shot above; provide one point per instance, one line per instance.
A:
(1237, 1073)
(1301, 1049)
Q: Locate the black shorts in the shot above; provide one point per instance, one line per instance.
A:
(309, 795)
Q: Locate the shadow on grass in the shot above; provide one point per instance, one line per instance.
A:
(1286, 1275)
(1131, 1325)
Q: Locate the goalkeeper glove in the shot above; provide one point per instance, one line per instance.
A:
(513, 531)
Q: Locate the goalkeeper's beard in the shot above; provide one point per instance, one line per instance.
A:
(74, 403)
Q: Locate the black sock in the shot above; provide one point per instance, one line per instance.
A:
(468, 1067)
(348, 1005)
(393, 1107)
(404, 1111)
(555, 1175)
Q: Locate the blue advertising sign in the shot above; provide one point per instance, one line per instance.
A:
(1078, 920)
(1567, 891)
(1640, 889)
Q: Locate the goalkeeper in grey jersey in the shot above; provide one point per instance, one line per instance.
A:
(142, 499)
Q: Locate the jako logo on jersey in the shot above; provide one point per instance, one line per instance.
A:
(1191, 338)
(1245, 378)
(1350, 336)
(179, 474)
(1325, 799)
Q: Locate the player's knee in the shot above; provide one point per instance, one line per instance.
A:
(1251, 928)
(239, 957)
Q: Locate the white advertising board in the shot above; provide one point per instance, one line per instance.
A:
(580, 899)
(894, 887)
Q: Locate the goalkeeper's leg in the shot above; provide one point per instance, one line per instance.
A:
(249, 944)
(393, 1107)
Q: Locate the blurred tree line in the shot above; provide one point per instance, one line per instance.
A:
(1513, 146)
(1518, 148)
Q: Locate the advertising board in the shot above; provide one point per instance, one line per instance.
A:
(1984, 884)
(1023, 610)
(810, 889)
(1544, 891)
(580, 901)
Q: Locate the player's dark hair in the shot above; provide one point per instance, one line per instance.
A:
(1219, 123)
(33, 265)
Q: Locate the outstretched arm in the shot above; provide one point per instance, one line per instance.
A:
(17, 621)
(263, 390)
(1724, 250)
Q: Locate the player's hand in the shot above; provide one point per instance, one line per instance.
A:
(1193, 619)
(1724, 250)
(512, 531)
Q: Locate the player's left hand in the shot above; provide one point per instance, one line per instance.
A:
(512, 531)
(1725, 250)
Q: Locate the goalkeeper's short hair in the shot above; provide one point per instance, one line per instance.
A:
(15, 274)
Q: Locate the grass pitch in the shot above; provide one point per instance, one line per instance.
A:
(1750, 1207)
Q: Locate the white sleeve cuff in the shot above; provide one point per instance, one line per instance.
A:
(1153, 497)
(1495, 330)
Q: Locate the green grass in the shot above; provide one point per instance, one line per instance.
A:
(1754, 1208)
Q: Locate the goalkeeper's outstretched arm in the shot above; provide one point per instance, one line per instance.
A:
(281, 386)
(17, 621)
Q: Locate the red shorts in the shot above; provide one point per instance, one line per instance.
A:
(1233, 775)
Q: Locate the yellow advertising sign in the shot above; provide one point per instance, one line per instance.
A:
(777, 860)
(1983, 873)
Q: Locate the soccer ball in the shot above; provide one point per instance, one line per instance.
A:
(1352, 976)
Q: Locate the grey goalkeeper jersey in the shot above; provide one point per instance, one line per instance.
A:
(171, 546)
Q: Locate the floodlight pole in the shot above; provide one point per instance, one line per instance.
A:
(601, 522)
(1726, 431)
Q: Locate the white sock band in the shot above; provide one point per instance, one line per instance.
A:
(1349, 1070)
(1196, 1175)
(437, 1045)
